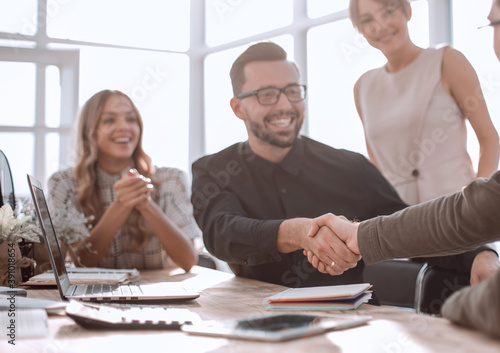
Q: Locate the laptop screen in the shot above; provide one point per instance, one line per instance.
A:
(48, 231)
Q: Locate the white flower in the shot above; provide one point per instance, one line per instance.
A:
(13, 227)
(70, 225)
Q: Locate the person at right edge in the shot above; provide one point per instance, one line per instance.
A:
(443, 226)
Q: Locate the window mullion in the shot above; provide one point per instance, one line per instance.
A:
(197, 56)
(440, 23)
(39, 132)
(300, 45)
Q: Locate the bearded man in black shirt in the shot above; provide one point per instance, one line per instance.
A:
(254, 200)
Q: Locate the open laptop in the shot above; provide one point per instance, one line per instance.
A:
(96, 292)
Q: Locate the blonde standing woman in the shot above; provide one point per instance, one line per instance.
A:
(414, 108)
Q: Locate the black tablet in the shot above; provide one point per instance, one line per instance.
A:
(276, 327)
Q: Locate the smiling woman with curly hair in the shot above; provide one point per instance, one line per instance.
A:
(141, 214)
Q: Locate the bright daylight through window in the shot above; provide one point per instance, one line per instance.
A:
(173, 58)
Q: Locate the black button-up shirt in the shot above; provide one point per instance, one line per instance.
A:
(240, 199)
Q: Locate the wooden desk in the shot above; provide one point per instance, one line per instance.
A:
(225, 296)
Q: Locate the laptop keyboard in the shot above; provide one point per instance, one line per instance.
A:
(108, 290)
(122, 316)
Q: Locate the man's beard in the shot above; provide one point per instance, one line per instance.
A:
(282, 140)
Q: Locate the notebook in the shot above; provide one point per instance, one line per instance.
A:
(339, 297)
(96, 292)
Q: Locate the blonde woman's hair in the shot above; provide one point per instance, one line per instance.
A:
(354, 13)
(88, 196)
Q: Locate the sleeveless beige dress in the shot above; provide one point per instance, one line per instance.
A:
(415, 129)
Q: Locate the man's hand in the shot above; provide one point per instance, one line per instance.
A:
(331, 252)
(484, 265)
(292, 236)
(343, 230)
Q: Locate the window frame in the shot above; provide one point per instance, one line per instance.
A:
(439, 18)
(68, 63)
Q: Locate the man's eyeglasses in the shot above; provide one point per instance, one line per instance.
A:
(491, 24)
(271, 95)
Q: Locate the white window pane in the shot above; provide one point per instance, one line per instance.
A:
(337, 56)
(146, 23)
(419, 23)
(52, 154)
(229, 20)
(17, 93)
(18, 16)
(222, 127)
(477, 46)
(52, 96)
(19, 149)
(158, 83)
(318, 8)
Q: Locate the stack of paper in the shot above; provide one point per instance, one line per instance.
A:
(340, 297)
(88, 275)
(26, 323)
(50, 306)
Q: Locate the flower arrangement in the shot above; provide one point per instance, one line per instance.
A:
(71, 225)
(14, 227)
(20, 240)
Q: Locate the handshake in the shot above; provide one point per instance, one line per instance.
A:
(332, 243)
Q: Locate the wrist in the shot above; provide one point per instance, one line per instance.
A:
(352, 243)
(292, 235)
(145, 206)
(121, 206)
(487, 255)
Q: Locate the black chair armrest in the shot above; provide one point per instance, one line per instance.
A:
(434, 285)
(206, 260)
(393, 282)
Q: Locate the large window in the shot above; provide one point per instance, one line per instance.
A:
(38, 99)
(150, 24)
(173, 58)
(138, 47)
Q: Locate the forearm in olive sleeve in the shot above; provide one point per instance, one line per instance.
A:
(448, 225)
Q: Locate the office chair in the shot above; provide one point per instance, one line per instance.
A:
(207, 260)
(413, 285)
(6, 183)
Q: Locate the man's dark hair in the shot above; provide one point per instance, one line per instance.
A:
(265, 51)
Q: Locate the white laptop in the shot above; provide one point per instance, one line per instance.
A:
(163, 291)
